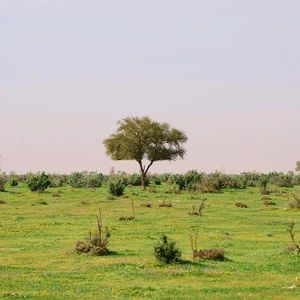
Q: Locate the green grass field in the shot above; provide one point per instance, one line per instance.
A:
(37, 260)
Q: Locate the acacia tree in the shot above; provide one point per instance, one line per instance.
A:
(142, 139)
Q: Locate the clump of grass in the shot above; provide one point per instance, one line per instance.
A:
(110, 197)
(165, 250)
(2, 202)
(210, 254)
(294, 200)
(40, 202)
(146, 204)
(240, 204)
(95, 244)
(265, 198)
(84, 202)
(200, 209)
(128, 218)
(268, 202)
(152, 190)
(295, 246)
(165, 203)
(56, 195)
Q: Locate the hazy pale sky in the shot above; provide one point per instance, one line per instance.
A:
(227, 72)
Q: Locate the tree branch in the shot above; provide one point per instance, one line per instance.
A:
(152, 161)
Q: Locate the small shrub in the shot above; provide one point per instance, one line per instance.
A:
(116, 187)
(200, 209)
(3, 180)
(41, 202)
(128, 218)
(2, 202)
(165, 251)
(152, 190)
(13, 182)
(38, 183)
(294, 200)
(211, 254)
(269, 202)
(94, 181)
(76, 180)
(164, 203)
(240, 204)
(294, 247)
(157, 181)
(122, 218)
(95, 244)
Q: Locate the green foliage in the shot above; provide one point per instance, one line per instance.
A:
(116, 186)
(263, 183)
(294, 199)
(136, 180)
(144, 139)
(3, 180)
(76, 180)
(94, 181)
(297, 166)
(165, 251)
(38, 183)
(13, 182)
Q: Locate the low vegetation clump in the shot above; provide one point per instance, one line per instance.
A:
(165, 251)
(268, 202)
(294, 246)
(13, 182)
(38, 183)
(240, 204)
(146, 204)
(95, 244)
(94, 181)
(76, 180)
(3, 180)
(2, 202)
(209, 254)
(131, 217)
(165, 203)
(116, 187)
(294, 199)
(200, 209)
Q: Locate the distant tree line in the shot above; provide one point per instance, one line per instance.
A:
(192, 181)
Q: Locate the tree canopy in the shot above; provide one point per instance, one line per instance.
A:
(142, 139)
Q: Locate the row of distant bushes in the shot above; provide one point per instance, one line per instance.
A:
(190, 181)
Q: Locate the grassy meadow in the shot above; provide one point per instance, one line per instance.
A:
(38, 233)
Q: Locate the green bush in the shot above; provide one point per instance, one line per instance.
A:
(165, 251)
(76, 180)
(38, 183)
(94, 181)
(13, 182)
(116, 186)
(3, 180)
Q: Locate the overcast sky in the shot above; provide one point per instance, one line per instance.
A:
(227, 72)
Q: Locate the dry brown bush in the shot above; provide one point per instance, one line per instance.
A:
(164, 203)
(95, 244)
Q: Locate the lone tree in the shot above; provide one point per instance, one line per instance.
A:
(144, 139)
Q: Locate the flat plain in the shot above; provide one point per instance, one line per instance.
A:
(38, 233)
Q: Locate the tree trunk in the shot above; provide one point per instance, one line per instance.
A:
(143, 175)
(144, 172)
